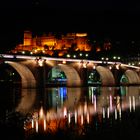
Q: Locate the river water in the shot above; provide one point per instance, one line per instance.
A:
(70, 113)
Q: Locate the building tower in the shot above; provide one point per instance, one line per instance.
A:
(27, 38)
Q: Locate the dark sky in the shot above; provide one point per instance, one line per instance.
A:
(117, 19)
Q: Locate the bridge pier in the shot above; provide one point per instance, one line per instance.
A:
(84, 76)
(41, 77)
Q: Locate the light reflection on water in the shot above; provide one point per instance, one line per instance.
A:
(61, 107)
(81, 105)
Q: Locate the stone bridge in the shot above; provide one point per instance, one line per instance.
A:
(35, 70)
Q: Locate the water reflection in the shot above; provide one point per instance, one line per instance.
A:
(82, 106)
(27, 101)
(73, 109)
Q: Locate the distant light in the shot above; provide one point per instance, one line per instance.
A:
(74, 56)
(31, 52)
(110, 67)
(64, 62)
(23, 52)
(68, 55)
(107, 58)
(81, 34)
(80, 54)
(117, 67)
(40, 62)
(86, 55)
(119, 58)
(114, 57)
(102, 58)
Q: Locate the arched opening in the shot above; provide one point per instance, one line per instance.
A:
(94, 77)
(64, 74)
(57, 76)
(124, 79)
(9, 77)
(101, 75)
(27, 78)
(130, 77)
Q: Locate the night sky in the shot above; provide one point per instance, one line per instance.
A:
(118, 19)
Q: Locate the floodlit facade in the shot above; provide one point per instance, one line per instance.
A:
(49, 43)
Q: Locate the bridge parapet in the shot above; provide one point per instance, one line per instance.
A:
(34, 70)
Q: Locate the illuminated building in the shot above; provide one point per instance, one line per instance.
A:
(47, 44)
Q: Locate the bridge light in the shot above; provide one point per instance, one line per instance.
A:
(119, 58)
(74, 56)
(80, 54)
(35, 51)
(64, 62)
(110, 67)
(102, 58)
(107, 58)
(84, 65)
(86, 55)
(117, 67)
(23, 52)
(40, 62)
(114, 57)
(68, 55)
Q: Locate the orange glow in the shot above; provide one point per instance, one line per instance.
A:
(81, 34)
(98, 49)
(46, 43)
(41, 113)
(44, 124)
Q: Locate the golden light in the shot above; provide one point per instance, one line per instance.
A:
(117, 67)
(36, 126)
(94, 67)
(44, 124)
(40, 62)
(32, 123)
(41, 113)
(69, 118)
(110, 67)
(65, 111)
(81, 34)
(64, 62)
(87, 117)
(75, 116)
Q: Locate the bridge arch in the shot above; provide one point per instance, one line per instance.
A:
(73, 78)
(106, 76)
(27, 78)
(131, 77)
